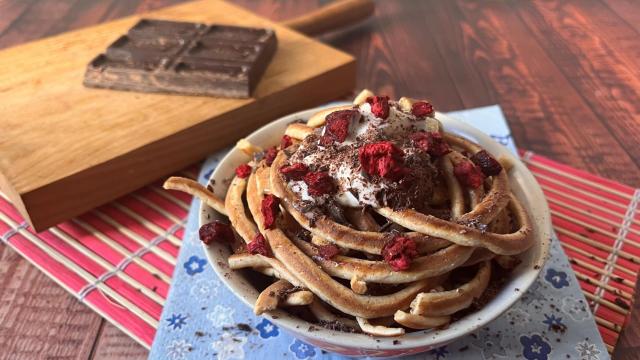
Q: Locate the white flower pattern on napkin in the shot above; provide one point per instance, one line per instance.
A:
(204, 290)
(587, 351)
(229, 347)
(221, 316)
(178, 349)
(576, 308)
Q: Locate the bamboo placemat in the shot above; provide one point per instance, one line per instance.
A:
(118, 259)
(598, 224)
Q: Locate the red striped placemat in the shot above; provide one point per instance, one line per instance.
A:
(598, 225)
(118, 259)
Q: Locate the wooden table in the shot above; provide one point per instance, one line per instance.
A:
(566, 74)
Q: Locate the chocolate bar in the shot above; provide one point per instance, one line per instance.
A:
(184, 58)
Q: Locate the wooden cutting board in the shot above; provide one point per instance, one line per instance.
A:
(65, 149)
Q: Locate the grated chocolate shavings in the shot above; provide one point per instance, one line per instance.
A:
(336, 326)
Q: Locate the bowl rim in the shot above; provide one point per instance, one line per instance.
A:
(418, 339)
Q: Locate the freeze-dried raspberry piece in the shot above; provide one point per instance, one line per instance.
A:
(328, 251)
(420, 139)
(259, 245)
(437, 146)
(468, 174)
(379, 106)
(399, 252)
(422, 108)
(285, 142)
(243, 171)
(216, 231)
(270, 155)
(326, 140)
(269, 208)
(338, 123)
(382, 159)
(431, 142)
(294, 171)
(319, 183)
(487, 163)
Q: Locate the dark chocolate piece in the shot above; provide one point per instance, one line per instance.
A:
(184, 58)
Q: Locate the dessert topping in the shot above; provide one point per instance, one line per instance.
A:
(270, 207)
(379, 106)
(487, 163)
(295, 171)
(420, 140)
(468, 174)
(399, 252)
(326, 140)
(243, 171)
(285, 142)
(422, 109)
(319, 183)
(270, 155)
(382, 159)
(259, 246)
(216, 231)
(338, 123)
(431, 142)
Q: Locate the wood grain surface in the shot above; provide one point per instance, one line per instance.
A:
(566, 74)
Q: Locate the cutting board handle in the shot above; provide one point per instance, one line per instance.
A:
(331, 17)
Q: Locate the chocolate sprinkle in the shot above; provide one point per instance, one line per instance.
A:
(336, 326)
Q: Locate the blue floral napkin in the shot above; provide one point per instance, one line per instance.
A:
(203, 320)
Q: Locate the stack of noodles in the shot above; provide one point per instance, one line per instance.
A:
(372, 217)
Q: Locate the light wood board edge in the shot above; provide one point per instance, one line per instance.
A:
(80, 192)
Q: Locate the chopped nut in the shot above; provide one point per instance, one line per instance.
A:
(362, 97)
(406, 103)
(248, 148)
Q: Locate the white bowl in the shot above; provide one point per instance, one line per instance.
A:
(522, 183)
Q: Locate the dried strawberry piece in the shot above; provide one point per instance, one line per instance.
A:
(422, 108)
(326, 140)
(438, 147)
(382, 159)
(328, 251)
(399, 252)
(243, 171)
(319, 183)
(270, 207)
(431, 142)
(487, 163)
(285, 142)
(259, 246)
(338, 122)
(379, 106)
(420, 139)
(294, 171)
(270, 155)
(216, 231)
(468, 174)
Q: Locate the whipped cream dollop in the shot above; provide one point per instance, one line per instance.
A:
(398, 123)
(357, 188)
